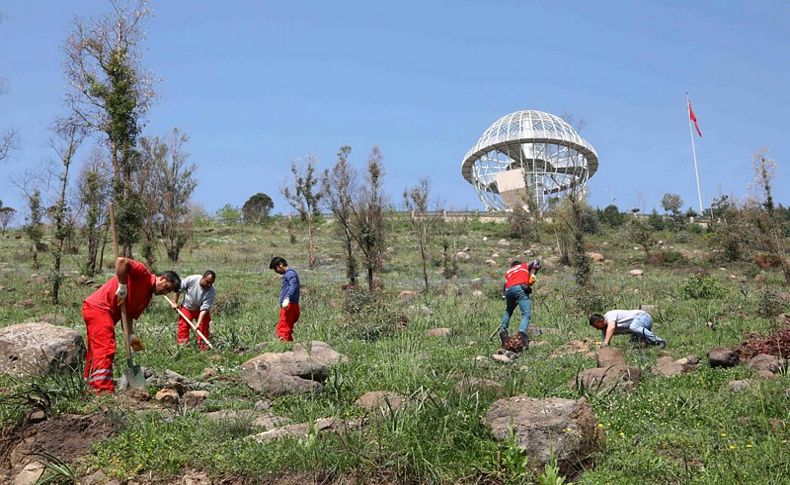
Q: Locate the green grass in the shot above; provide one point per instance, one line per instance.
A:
(686, 429)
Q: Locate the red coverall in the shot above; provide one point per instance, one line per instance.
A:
(101, 311)
(182, 334)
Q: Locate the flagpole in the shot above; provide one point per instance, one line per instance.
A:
(694, 154)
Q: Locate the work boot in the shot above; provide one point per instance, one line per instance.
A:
(503, 336)
(524, 340)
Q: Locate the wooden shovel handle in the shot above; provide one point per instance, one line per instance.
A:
(124, 316)
(191, 323)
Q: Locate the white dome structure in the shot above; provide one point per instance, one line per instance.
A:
(527, 157)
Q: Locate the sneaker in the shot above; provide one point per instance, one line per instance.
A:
(662, 344)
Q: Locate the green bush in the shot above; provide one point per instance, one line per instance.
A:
(702, 287)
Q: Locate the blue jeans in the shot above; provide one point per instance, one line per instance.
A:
(642, 327)
(515, 295)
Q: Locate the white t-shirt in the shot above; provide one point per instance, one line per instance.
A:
(622, 318)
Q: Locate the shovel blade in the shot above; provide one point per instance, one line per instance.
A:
(135, 378)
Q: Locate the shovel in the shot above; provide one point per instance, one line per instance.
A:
(133, 373)
(191, 324)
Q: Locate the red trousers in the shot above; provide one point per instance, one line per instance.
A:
(182, 335)
(101, 348)
(288, 318)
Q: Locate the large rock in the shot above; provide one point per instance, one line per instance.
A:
(38, 348)
(604, 379)
(609, 356)
(297, 371)
(723, 357)
(548, 428)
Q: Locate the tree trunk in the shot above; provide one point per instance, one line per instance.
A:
(310, 254)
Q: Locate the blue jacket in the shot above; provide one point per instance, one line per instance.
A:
(290, 288)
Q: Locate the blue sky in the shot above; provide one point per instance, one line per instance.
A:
(258, 84)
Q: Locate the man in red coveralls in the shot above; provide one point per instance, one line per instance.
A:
(134, 285)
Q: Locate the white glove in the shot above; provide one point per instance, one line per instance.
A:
(286, 302)
(121, 292)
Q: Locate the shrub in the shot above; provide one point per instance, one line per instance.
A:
(612, 216)
(770, 303)
(228, 304)
(371, 315)
(668, 257)
(702, 287)
(519, 222)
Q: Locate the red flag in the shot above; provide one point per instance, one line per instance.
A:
(693, 117)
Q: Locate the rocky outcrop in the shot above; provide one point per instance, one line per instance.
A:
(550, 428)
(300, 370)
(38, 348)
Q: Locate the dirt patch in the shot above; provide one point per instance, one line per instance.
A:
(66, 437)
(575, 347)
(777, 344)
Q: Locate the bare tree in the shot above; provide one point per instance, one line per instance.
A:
(9, 140)
(94, 194)
(305, 197)
(35, 226)
(110, 94)
(416, 201)
(6, 216)
(338, 188)
(764, 215)
(368, 216)
(69, 136)
(175, 182)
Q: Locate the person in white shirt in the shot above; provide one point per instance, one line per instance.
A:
(199, 295)
(638, 323)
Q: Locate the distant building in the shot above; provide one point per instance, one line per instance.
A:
(526, 158)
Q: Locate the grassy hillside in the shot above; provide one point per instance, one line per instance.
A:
(685, 429)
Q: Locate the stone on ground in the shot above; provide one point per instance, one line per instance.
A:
(29, 474)
(300, 370)
(38, 348)
(766, 362)
(473, 384)
(439, 332)
(302, 430)
(609, 356)
(382, 401)
(605, 379)
(167, 395)
(559, 428)
(193, 399)
(739, 385)
(721, 357)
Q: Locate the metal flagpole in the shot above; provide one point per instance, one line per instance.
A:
(694, 154)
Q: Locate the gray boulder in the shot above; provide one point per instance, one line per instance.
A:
(300, 370)
(548, 428)
(38, 348)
